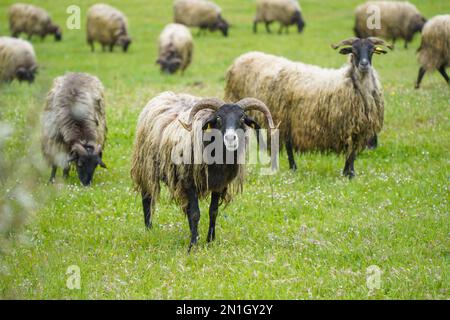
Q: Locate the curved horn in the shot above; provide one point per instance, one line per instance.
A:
(254, 104)
(347, 42)
(208, 103)
(77, 149)
(378, 41)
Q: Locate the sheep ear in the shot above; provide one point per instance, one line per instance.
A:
(379, 50)
(208, 123)
(102, 164)
(347, 50)
(249, 121)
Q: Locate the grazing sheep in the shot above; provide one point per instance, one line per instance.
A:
(200, 13)
(337, 110)
(17, 60)
(434, 51)
(175, 48)
(108, 26)
(286, 12)
(74, 125)
(169, 126)
(399, 20)
(31, 20)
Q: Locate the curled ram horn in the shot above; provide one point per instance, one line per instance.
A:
(378, 41)
(249, 104)
(208, 103)
(347, 42)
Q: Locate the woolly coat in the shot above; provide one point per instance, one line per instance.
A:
(196, 13)
(106, 24)
(14, 54)
(29, 19)
(398, 18)
(434, 50)
(276, 10)
(159, 136)
(74, 112)
(177, 38)
(319, 109)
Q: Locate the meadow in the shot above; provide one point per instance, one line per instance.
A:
(311, 234)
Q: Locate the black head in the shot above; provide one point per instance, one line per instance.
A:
(55, 30)
(297, 19)
(222, 25)
(86, 159)
(169, 62)
(362, 51)
(26, 74)
(417, 24)
(124, 41)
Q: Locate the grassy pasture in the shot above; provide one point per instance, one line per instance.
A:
(309, 234)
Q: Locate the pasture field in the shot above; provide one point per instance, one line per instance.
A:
(312, 234)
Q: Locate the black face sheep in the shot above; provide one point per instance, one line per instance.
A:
(398, 20)
(31, 20)
(200, 13)
(286, 12)
(434, 51)
(336, 110)
(167, 128)
(175, 48)
(17, 60)
(108, 26)
(74, 126)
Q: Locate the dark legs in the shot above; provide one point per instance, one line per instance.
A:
(53, 174)
(444, 74)
(290, 154)
(111, 47)
(91, 43)
(255, 27)
(373, 143)
(66, 173)
(268, 27)
(213, 210)
(147, 207)
(193, 214)
(420, 77)
(349, 169)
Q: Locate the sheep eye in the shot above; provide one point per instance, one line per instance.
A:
(219, 121)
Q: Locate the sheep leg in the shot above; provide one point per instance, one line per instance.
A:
(290, 153)
(193, 213)
(66, 173)
(444, 74)
(213, 210)
(53, 174)
(111, 47)
(268, 27)
(255, 27)
(91, 43)
(147, 207)
(420, 77)
(406, 44)
(349, 169)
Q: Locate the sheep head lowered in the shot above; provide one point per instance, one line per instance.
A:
(362, 51)
(86, 158)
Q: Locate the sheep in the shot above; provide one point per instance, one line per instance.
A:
(337, 110)
(108, 26)
(74, 126)
(287, 12)
(175, 48)
(399, 20)
(167, 127)
(31, 20)
(17, 60)
(200, 13)
(434, 51)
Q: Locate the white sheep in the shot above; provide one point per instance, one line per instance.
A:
(17, 60)
(286, 12)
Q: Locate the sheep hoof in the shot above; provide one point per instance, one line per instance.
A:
(349, 173)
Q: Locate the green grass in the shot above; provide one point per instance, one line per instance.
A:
(309, 234)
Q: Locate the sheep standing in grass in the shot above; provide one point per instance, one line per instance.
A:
(337, 110)
(434, 51)
(108, 26)
(31, 20)
(17, 60)
(399, 20)
(74, 125)
(286, 12)
(175, 48)
(167, 128)
(200, 13)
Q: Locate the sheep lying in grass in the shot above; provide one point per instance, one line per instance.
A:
(167, 127)
(200, 13)
(175, 48)
(108, 26)
(74, 125)
(31, 20)
(17, 60)
(321, 109)
(286, 12)
(399, 20)
(434, 51)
